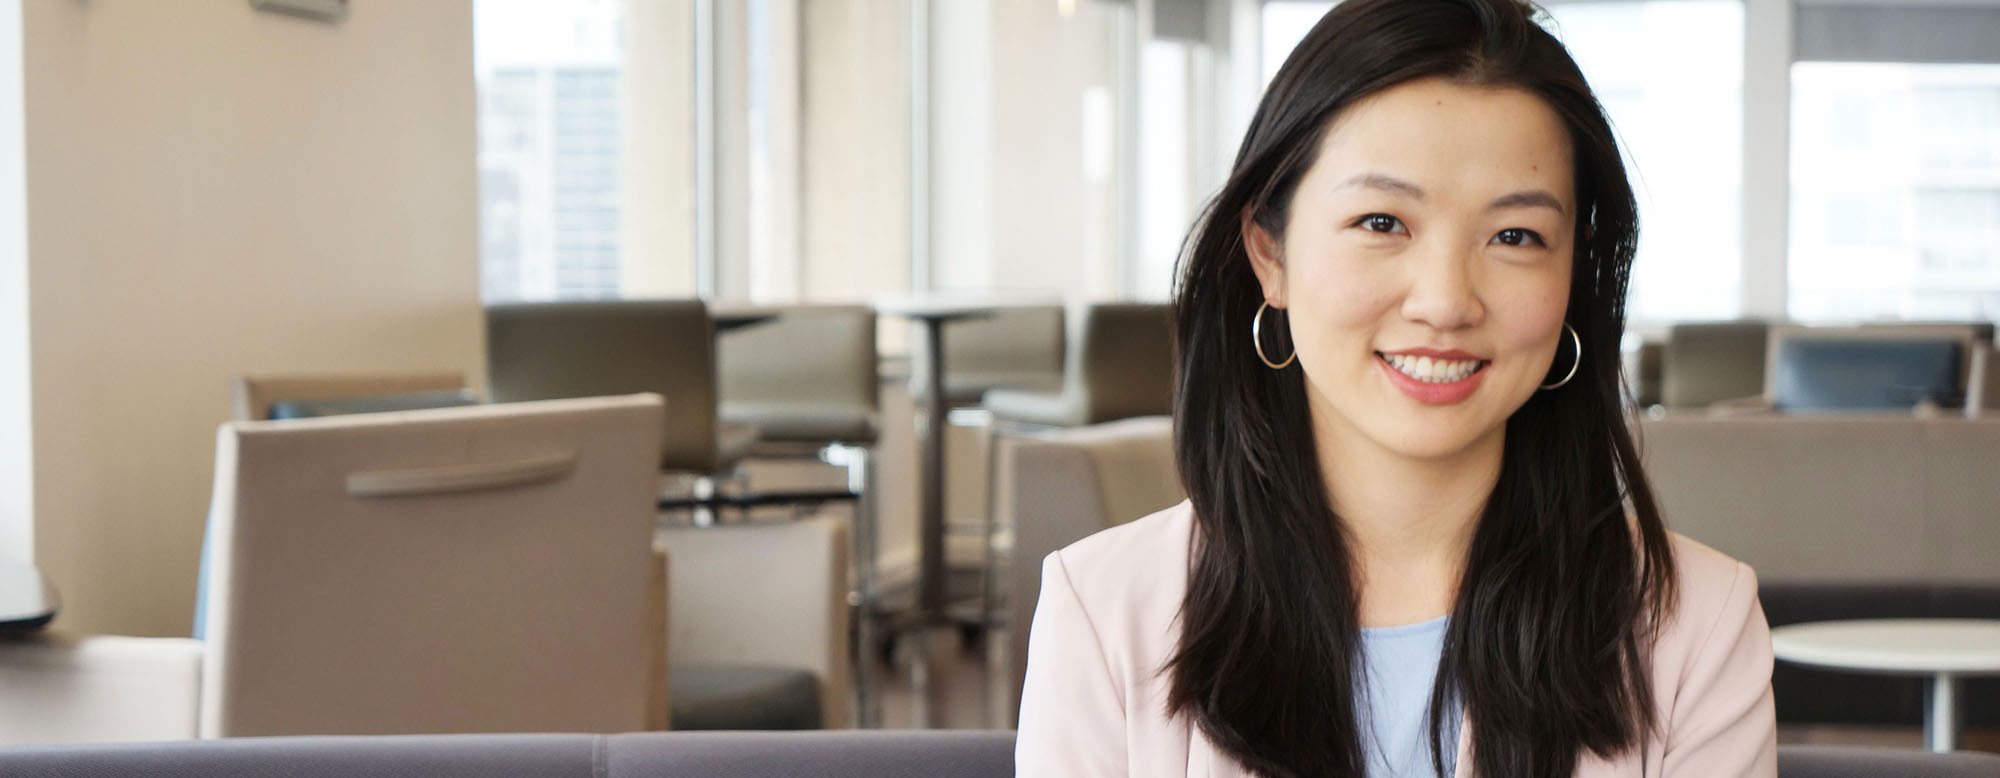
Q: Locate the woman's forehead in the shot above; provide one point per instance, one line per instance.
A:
(1448, 140)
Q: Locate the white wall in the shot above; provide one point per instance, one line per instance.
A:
(17, 529)
(211, 191)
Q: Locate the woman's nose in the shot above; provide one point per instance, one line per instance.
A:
(1442, 293)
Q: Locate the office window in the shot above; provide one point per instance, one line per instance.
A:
(1022, 159)
(1284, 24)
(1895, 205)
(548, 81)
(1678, 114)
(1167, 197)
(583, 118)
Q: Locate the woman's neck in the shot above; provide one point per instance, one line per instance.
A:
(1409, 521)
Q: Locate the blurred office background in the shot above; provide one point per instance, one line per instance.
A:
(193, 192)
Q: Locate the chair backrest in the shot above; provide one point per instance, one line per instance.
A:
(1017, 346)
(1904, 343)
(57, 688)
(1703, 363)
(1061, 486)
(1866, 375)
(252, 396)
(1125, 359)
(546, 351)
(484, 569)
(381, 403)
(809, 355)
(764, 593)
(1023, 339)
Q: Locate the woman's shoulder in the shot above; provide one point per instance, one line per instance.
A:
(1143, 544)
(1711, 670)
(1715, 600)
(1705, 578)
(1137, 567)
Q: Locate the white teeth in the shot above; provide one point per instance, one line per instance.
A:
(1432, 371)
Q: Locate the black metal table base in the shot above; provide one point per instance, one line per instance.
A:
(757, 500)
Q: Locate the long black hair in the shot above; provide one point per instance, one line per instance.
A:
(1570, 570)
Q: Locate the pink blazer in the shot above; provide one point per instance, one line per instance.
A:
(1095, 701)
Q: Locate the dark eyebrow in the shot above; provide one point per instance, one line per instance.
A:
(1385, 183)
(1532, 198)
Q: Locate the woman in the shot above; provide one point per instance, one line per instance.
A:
(1418, 540)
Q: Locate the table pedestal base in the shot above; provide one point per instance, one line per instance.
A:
(1941, 733)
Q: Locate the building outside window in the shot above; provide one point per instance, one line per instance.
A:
(1895, 191)
(548, 78)
(1678, 114)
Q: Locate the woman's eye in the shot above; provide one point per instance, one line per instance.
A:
(1516, 236)
(1380, 222)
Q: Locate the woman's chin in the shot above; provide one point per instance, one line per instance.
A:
(1429, 441)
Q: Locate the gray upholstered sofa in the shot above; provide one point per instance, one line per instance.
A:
(838, 754)
(832, 754)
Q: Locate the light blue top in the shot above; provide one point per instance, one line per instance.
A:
(1401, 666)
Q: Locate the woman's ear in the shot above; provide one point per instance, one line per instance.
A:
(1267, 259)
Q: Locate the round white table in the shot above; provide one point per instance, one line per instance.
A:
(1944, 649)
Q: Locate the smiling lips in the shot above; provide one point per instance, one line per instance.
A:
(1433, 377)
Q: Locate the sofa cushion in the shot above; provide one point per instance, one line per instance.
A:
(407, 756)
(832, 754)
(1852, 762)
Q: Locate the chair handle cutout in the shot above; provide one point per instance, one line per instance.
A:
(413, 482)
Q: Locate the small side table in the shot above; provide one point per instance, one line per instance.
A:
(1943, 649)
(933, 311)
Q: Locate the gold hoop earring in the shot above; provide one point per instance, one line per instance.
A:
(1257, 339)
(1577, 340)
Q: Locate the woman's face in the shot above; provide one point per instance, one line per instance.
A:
(1425, 266)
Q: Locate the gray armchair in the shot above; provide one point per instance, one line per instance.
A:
(1060, 487)
(1018, 348)
(1120, 366)
(1704, 363)
(546, 351)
